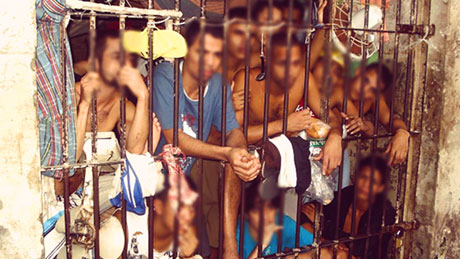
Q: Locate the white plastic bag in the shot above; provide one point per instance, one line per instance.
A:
(322, 187)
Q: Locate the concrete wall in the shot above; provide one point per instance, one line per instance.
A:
(438, 190)
(20, 206)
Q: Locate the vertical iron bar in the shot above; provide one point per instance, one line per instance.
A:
(285, 116)
(376, 116)
(92, 45)
(177, 7)
(224, 130)
(65, 147)
(123, 130)
(150, 24)
(306, 83)
(265, 124)
(395, 63)
(245, 120)
(201, 84)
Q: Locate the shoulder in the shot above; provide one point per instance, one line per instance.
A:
(165, 68)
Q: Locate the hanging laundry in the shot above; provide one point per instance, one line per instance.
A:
(50, 14)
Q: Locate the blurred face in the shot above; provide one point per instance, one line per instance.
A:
(269, 216)
(370, 85)
(167, 214)
(263, 17)
(211, 60)
(363, 182)
(110, 65)
(237, 41)
(296, 15)
(336, 73)
(278, 64)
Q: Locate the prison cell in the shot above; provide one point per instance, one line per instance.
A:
(93, 11)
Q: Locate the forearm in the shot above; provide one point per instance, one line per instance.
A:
(236, 139)
(232, 196)
(398, 124)
(316, 46)
(335, 122)
(255, 133)
(82, 120)
(138, 131)
(197, 148)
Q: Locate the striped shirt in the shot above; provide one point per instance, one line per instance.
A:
(49, 14)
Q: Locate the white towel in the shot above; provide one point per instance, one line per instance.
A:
(288, 175)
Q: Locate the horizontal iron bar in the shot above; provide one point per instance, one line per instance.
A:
(77, 4)
(404, 226)
(80, 165)
(412, 133)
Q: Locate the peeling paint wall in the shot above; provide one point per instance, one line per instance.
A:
(438, 189)
(20, 193)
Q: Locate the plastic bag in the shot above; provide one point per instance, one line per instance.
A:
(322, 187)
(318, 129)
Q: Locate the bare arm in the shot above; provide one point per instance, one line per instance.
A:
(137, 126)
(318, 40)
(399, 144)
(384, 117)
(197, 148)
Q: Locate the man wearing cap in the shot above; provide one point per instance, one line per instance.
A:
(242, 165)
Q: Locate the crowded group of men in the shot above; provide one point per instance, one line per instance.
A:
(240, 165)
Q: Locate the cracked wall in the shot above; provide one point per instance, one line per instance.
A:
(438, 189)
(20, 206)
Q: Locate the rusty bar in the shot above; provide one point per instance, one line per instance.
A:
(106, 8)
(318, 230)
(245, 120)
(123, 134)
(308, 39)
(395, 65)
(409, 72)
(201, 84)
(364, 60)
(285, 116)
(223, 129)
(65, 146)
(265, 123)
(404, 226)
(177, 7)
(151, 216)
(92, 45)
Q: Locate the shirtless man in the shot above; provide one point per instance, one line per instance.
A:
(399, 144)
(297, 121)
(106, 82)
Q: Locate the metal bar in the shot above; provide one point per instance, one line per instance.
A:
(395, 65)
(201, 84)
(92, 45)
(65, 146)
(223, 130)
(245, 121)
(151, 216)
(285, 116)
(97, 7)
(177, 7)
(406, 226)
(306, 83)
(265, 123)
(409, 72)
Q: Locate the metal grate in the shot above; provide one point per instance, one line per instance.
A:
(91, 11)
